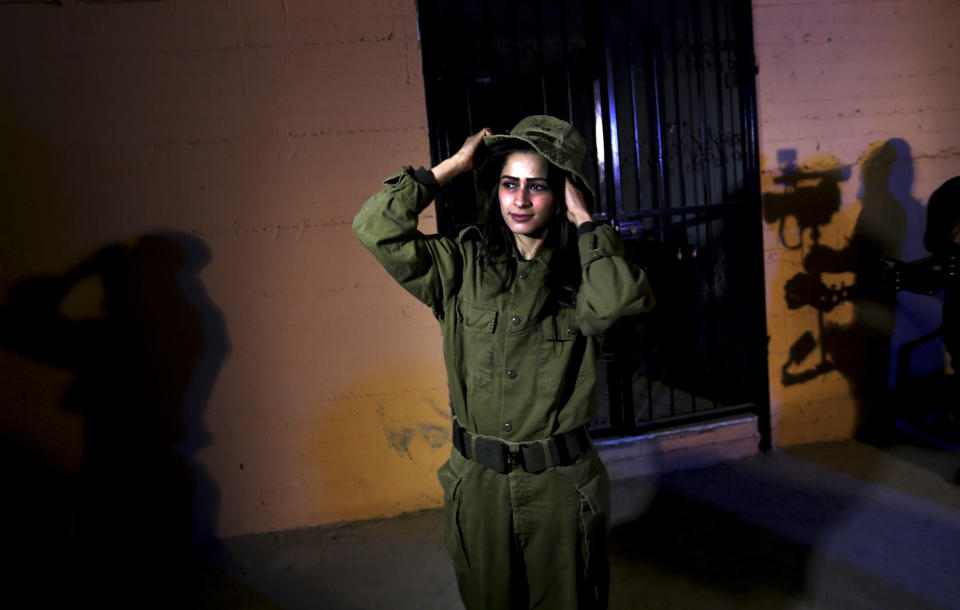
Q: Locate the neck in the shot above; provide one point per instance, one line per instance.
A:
(529, 246)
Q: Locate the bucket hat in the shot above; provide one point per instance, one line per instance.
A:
(556, 140)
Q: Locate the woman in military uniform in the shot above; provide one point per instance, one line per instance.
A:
(522, 303)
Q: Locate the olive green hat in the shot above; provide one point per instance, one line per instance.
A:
(556, 140)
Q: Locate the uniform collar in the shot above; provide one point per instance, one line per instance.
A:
(543, 256)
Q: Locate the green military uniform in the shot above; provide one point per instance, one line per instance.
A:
(522, 369)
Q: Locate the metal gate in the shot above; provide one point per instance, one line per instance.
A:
(663, 92)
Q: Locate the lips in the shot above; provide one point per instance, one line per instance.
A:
(521, 217)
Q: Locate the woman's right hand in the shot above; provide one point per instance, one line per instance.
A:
(462, 160)
(469, 149)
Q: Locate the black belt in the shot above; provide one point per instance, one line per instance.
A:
(534, 457)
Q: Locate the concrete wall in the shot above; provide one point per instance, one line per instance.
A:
(868, 93)
(183, 290)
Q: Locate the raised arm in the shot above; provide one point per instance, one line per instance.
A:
(427, 266)
(611, 287)
(461, 161)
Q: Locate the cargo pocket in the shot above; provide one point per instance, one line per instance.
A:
(452, 524)
(594, 515)
(479, 324)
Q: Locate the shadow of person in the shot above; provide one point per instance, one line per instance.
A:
(918, 310)
(145, 344)
(860, 349)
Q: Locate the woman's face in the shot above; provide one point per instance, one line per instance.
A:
(526, 201)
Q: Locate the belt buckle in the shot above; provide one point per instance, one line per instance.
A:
(514, 456)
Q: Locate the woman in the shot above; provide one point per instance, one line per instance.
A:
(522, 304)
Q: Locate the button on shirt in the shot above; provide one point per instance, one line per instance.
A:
(519, 365)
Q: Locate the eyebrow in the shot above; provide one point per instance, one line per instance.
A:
(528, 179)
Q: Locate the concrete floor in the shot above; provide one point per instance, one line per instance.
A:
(831, 525)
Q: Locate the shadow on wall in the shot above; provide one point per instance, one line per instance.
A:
(134, 324)
(860, 348)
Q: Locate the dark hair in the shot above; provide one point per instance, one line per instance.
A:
(498, 242)
(943, 213)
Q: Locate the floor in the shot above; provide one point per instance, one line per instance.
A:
(829, 525)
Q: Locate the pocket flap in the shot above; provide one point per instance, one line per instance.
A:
(476, 317)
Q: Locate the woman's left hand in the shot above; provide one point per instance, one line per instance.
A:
(577, 211)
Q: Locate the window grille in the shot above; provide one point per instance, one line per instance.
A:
(664, 94)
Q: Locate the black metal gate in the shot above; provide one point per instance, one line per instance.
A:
(663, 92)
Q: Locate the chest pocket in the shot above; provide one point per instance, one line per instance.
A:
(479, 326)
(560, 344)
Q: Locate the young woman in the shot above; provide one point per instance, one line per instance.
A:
(522, 304)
